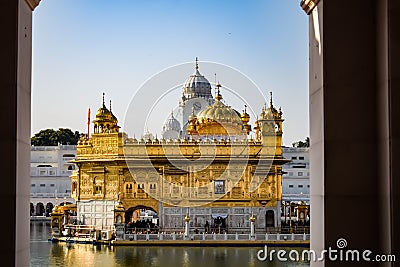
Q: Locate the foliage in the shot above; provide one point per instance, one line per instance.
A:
(306, 143)
(51, 137)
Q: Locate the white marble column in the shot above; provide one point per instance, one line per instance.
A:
(252, 227)
(187, 227)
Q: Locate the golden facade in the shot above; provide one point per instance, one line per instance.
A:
(218, 171)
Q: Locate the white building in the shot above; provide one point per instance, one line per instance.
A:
(50, 181)
(296, 177)
(196, 96)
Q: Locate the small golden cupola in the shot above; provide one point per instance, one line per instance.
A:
(269, 128)
(271, 113)
(245, 117)
(105, 121)
(217, 119)
(192, 125)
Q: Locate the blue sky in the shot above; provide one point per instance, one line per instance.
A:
(83, 48)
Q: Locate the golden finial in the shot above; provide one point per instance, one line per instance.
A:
(270, 99)
(252, 218)
(104, 104)
(197, 63)
(187, 217)
(218, 96)
(245, 115)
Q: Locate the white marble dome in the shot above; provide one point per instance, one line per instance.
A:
(171, 124)
(196, 86)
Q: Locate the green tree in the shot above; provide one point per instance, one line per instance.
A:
(51, 137)
(306, 143)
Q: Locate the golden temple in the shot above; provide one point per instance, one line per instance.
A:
(215, 172)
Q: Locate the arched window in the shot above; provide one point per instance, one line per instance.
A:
(97, 187)
(39, 209)
(118, 219)
(49, 208)
(128, 188)
(74, 187)
(32, 209)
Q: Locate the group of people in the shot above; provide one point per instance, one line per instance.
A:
(217, 227)
(142, 226)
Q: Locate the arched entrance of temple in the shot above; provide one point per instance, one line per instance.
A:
(219, 223)
(141, 219)
(269, 218)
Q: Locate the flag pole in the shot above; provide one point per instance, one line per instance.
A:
(88, 124)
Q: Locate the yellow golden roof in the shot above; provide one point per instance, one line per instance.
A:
(219, 112)
(105, 114)
(217, 119)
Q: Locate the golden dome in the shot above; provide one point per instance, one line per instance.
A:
(105, 120)
(103, 112)
(219, 112)
(218, 119)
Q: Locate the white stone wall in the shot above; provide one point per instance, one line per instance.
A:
(99, 213)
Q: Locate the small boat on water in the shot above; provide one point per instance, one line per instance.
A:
(65, 228)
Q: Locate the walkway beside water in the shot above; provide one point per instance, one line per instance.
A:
(214, 243)
(178, 239)
(173, 239)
